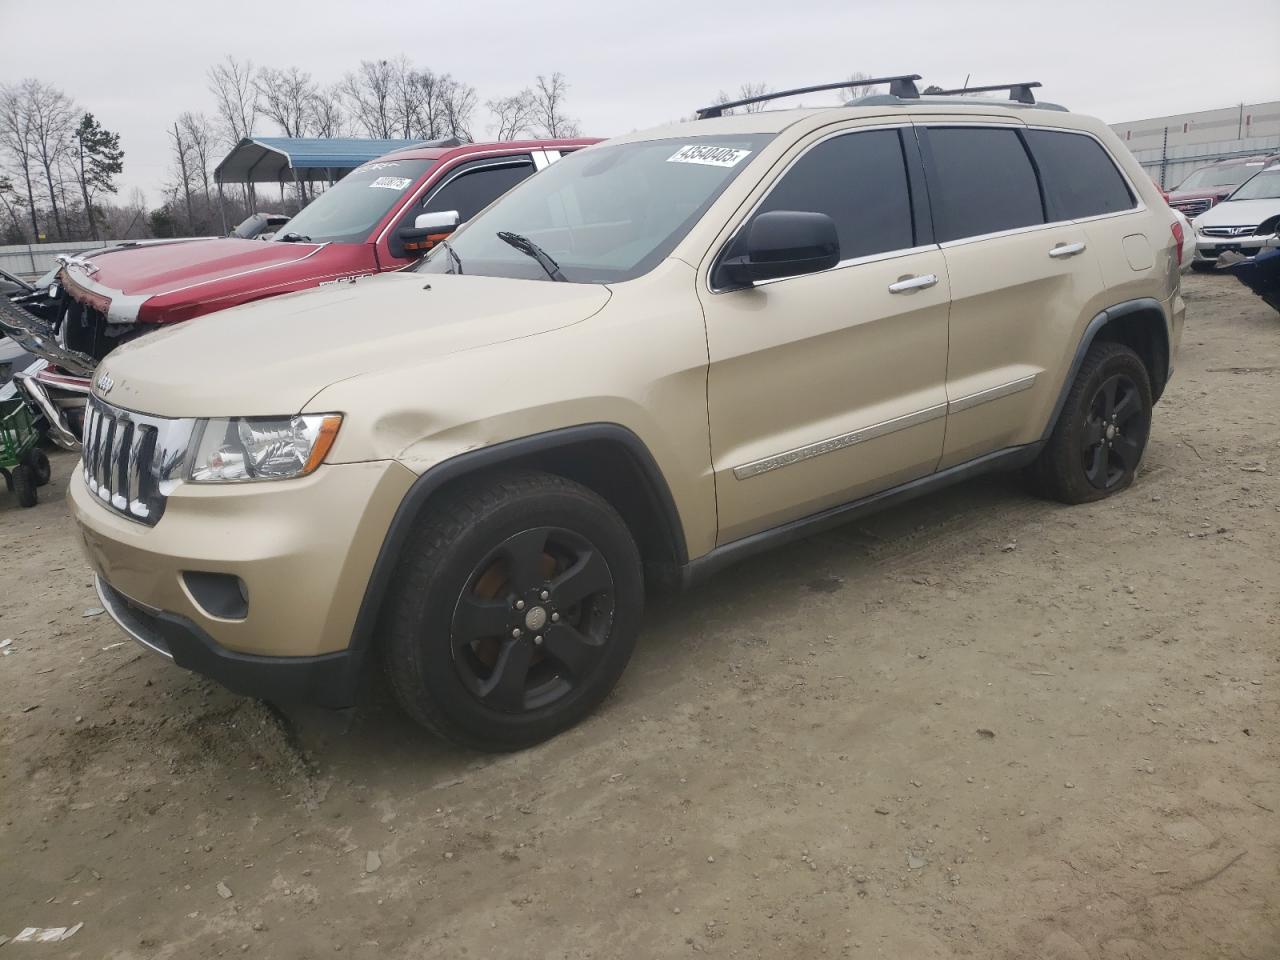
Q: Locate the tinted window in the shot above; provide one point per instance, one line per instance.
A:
(472, 191)
(859, 180)
(1079, 178)
(982, 182)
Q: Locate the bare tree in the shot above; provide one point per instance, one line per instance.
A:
(432, 88)
(235, 99)
(406, 98)
(548, 107)
(856, 90)
(457, 105)
(285, 96)
(51, 119)
(512, 115)
(12, 203)
(369, 93)
(197, 136)
(748, 90)
(15, 139)
(324, 113)
(184, 163)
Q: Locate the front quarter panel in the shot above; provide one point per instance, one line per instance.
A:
(641, 363)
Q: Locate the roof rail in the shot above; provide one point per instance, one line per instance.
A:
(1020, 92)
(903, 86)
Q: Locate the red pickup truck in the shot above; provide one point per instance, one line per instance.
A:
(381, 216)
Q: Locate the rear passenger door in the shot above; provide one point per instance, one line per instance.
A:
(1020, 284)
(831, 385)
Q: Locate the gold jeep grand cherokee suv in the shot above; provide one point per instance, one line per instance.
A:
(655, 357)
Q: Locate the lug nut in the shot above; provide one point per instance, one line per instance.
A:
(515, 634)
(544, 595)
(555, 618)
(537, 641)
(519, 604)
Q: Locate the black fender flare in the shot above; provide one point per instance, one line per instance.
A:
(1110, 314)
(487, 458)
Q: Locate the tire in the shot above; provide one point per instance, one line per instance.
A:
(473, 573)
(1203, 266)
(1097, 444)
(38, 461)
(24, 485)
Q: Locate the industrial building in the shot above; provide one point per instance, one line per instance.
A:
(1169, 148)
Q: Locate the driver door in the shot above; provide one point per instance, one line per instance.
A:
(830, 386)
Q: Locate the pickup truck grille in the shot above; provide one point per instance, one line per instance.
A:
(131, 462)
(1191, 208)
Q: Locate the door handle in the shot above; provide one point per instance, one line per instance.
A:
(1067, 250)
(907, 284)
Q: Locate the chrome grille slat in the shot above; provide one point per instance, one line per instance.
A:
(131, 461)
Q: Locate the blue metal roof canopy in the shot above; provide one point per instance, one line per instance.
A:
(278, 159)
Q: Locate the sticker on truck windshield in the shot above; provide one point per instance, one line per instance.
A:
(710, 156)
(391, 183)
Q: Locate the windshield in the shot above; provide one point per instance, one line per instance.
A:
(349, 210)
(1263, 186)
(1208, 177)
(604, 214)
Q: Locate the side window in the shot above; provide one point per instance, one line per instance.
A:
(1080, 179)
(470, 191)
(859, 180)
(982, 182)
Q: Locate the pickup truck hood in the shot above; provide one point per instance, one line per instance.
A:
(1238, 213)
(269, 358)
(130, 275)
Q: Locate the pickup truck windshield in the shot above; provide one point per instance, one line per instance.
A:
(349, 210)
(603, 214)
(1208, 177)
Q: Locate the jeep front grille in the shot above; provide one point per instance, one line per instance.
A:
(131, 462)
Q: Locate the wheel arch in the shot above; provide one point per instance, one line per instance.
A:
(1140, 325)
(607, 458)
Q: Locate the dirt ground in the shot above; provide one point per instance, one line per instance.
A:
(979, 725)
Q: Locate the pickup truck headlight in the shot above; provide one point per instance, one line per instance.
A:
(262, 448)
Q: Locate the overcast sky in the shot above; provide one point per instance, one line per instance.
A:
(137, 64)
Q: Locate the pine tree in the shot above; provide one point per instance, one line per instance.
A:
(99, 160)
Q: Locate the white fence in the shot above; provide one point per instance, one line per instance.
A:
(30, 260)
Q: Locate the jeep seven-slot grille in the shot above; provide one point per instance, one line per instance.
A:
(128, 459)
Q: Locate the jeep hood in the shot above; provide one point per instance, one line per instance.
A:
(269, 358)
(130, 275)
(1238, 213)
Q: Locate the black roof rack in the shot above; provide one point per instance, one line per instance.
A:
(1020, 92)
(903, 86)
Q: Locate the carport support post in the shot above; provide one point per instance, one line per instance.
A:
(222, 210)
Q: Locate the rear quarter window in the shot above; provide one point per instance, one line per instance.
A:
(981, 182)
(1080, 178)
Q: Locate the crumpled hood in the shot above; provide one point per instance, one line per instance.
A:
(271, 357)
(163, 268)
(1238, 213)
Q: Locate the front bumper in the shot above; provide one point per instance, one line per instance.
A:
(1208, 249)
(58, 397)
(303, 550)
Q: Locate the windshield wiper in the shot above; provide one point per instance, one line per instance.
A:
(294, 238)
(531, 249)
(453, 255)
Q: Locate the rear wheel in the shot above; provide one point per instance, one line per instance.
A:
(1102, 432)
(514, 611)
(38, 461)
(24, 485)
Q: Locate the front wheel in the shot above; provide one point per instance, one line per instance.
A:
(514, 611)
(1102, 432)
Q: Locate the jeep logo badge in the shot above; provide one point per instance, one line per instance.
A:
(105, 383)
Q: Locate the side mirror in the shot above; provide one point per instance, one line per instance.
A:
(783, 243)
(428, 229)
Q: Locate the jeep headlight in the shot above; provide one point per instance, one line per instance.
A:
(262, 448)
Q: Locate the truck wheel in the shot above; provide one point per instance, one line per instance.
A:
(1100, 436)
(513, 612)
(38, 461)
(24, 485)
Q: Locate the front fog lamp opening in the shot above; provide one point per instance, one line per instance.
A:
(262, 448)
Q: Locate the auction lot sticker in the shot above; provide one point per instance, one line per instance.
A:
(391, 183)
(709, 154)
